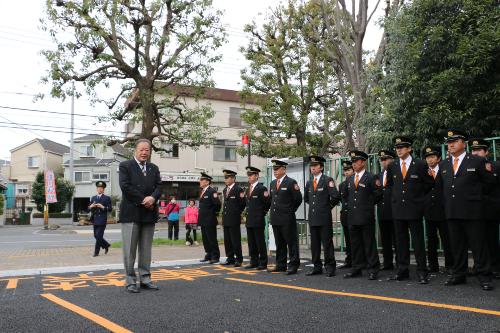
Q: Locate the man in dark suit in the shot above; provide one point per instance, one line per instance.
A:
(234, 204)
(321, 195)
(435, 220)
(491, 205)
(465, 180)
(258, 203)
(384, 211)
(410, 182)
(363, 193)
(347, 172)
(100, 205)
(285, 200)
(140, 184)
(209, 207)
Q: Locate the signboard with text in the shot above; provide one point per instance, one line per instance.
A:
(50, 187)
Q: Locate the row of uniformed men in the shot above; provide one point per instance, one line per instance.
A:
(449, 193)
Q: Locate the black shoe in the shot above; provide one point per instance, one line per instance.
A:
(132, 288)
(352, 275)
(372, 276)
(227, 263)
(487, 286)
(262, 267)
(330, 273)
(149, 285)
(400, 276)
(423, 279)
(106, 250)
(314, 272)
(277, 270)
(453, 281)
(237, 264)
(387, 267)
(204, 260)
(251, 266)
(344, 266)
(213, 261)
(292, 271)
(95, 255)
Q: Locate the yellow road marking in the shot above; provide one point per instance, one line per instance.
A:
(87, 314)
(12, 282)
(375, 297)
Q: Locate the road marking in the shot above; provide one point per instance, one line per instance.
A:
(375, 297)
(12, 282)
(86, 314)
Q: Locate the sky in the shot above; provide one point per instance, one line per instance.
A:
(22, 66)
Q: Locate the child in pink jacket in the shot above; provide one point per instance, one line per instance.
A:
(191, 222)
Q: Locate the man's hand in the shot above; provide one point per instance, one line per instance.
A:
(148, 202)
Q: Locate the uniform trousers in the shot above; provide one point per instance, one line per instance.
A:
(232, 243)
(286, 237)
(257, 246)
(210, 244)
(322, 235)
(416, 228)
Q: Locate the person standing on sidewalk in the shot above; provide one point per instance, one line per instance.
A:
(172, 213)
(140, 184)
(191, 222)
(99, 208)
(321, 195)
(207, 219)
(234, 204)
(347, 172)
(258, 203)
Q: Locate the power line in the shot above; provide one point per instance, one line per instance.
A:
(45, 111)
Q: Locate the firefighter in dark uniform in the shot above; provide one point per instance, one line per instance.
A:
(491, 206)
(465, 180)
(234, 204)
(348, 172)
(321, 195)
(100, 205)
(435, 220)
(363, 193)
(410, 182)
(384, 211)
(285, 200)
(258, 203)
(209, 207)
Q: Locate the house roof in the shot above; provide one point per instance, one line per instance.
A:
(117, 148)
(47, 145)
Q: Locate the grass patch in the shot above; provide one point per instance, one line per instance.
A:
(169, 242)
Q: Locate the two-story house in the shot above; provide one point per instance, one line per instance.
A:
(180, 168)
(27, 160)
(93, 161)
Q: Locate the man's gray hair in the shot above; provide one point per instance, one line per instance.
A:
(143, 140)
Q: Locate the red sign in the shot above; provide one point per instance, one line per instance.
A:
(245, 139)
(50, 187)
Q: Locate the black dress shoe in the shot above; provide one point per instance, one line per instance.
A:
(251, 266)
(291, 271)
(486, 286)
(330, 273)
(314, 272)
(261, 267)
(213, 261)
(400, 276)
(149, 285)
(344, 266)
(237, 264)
(106, 250)
(453, 281)
(276, 270)
(227, 263)
(372, 276)
(352, 275)
(387, 267)
(204, 260)
(95, 255)
(132, 288)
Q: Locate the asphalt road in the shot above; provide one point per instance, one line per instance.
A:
(214, 299)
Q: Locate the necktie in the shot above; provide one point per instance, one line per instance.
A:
(356, 181)
(227, 191)
(455, 165)
(315, 183)
(433, 173)
(277, 184)
(143, 168)
(385, 178)
(202, 191)
(403, 169)
(250, 190)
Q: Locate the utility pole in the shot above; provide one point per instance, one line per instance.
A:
(71, 144)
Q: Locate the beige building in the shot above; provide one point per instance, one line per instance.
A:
(180, 169)
(29, 159)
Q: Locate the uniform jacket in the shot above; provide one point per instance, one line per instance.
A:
(258, 203)
(362, 201)
(434, 202)
(209, 208)
(464, 192)
(321, 201)
(408, 195)
(100, 215)
(234, 204)
(344, 202)
(284, 201)
(384, 207)
(135, 187)
(492, 199)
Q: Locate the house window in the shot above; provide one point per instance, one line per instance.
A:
(33, 161)
(96, 176)
(225, 150)
(235, 117)
(82, 176)
(87, 151)
(173, 150)
(22, 189)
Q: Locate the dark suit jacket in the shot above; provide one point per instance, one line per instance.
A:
(434, 202)
(384, 207)
(100, 215)
(408, 194)
(492, 199)
(464, 192)
(362, 200)
(258, 204)
(135, 187)
(234, 204)
(284, 201)
(321, 201)
(209, 207)
(344, 202)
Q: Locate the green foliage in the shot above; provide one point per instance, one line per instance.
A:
(443, 72)
(64, 193)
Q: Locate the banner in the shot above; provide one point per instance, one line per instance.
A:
(50, 187)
